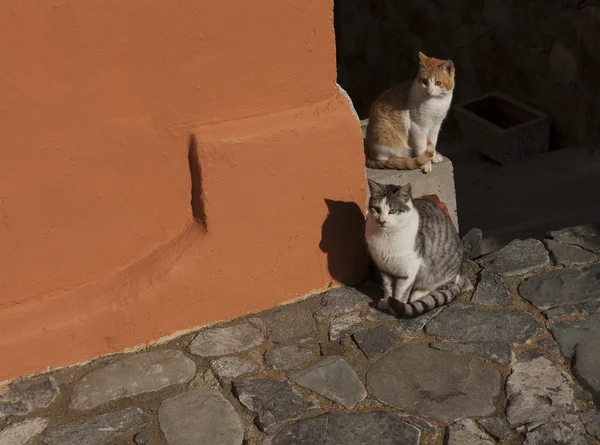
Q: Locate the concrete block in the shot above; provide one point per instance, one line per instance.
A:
(439, 182)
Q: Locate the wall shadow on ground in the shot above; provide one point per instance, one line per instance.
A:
(342, 239)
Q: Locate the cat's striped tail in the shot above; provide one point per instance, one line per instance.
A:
(404, 163)
(435, 299)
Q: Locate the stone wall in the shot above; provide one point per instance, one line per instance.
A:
(546, 52)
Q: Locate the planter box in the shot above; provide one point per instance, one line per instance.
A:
(502, 128)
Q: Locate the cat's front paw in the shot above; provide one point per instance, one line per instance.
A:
(383, 304)
(437, 158)
(427, 168)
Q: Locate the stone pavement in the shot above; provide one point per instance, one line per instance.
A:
(516, 361)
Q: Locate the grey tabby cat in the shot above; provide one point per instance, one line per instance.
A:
(416, 248)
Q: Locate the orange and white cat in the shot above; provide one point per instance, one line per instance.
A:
(405, 120)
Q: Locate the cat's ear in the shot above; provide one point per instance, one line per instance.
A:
(376, 189)
(405, 192)
(423, 58)
(448, 65)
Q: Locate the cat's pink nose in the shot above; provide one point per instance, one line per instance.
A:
(382, 223)
(429, 92)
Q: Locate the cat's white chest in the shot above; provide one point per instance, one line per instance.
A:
(393, 250)
(431, 112)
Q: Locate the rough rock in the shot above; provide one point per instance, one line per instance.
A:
(344, 326)
(495, 351)
(200, 417)
(537, 391)
(232, 367)
(421, 424)
(570, 333)
(289, 323)
(566, 431)
(496, 427)
(541, 402)
(99, 430)
(342, 300)
(410, 326)
(469, 323)
(569, 255)
(586, 236)
(467, 432)
(561, 312)
(133, 375)
(591, 421)
(562, 287)
(376, 341)
(550, 346)
(214, 342)
(491, 291)
(332, 348)
(586, 367)
(472, 243)
(25, 396)
(274, 401)
(205, 380)
(142, 439)
(378, 427)
(24, 432)
(517, 258)
(436, 384)
(334, 379)
(286, 358)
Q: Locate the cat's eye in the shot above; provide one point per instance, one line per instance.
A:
(376, 209)
(392, 211)
(424, 81)
(438, 83)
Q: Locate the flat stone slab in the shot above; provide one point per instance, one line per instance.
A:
(376, 341)
(334, 379)
(344, 326)
(586, 367)
(231, 367)
(214, 342)
(495, 351)
(591, 421)
(25, 396)
(200, 417)
(410, 326)
(435, 384)
(133, 375)
(24, 432)
(541, 403)
(376, 315)
(562, 287)
(569, 255)
(342, 300)
(377, 427)
(491, 291)
(570, 333)
(99, 430)
(286, 358)
(289, 323)
(586, 236)
(469, 323)
(274, 401)
(517, 258)
(467, 432)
